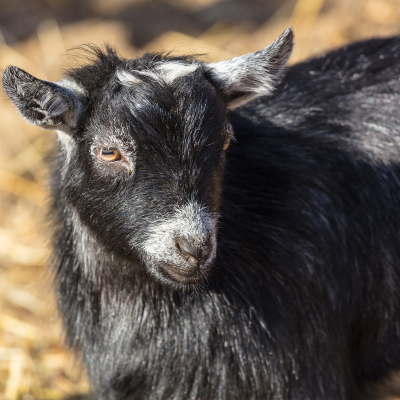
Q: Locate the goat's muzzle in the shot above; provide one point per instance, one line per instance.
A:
(194, 267)
(182, 247)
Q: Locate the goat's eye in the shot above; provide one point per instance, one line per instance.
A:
(227, 143)
(109, 155)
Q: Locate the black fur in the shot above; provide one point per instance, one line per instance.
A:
(303, 299)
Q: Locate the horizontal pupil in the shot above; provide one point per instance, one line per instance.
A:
(107, 152)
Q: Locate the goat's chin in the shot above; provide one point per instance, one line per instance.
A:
(178, 277)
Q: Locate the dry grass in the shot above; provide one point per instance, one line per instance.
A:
(33, 363)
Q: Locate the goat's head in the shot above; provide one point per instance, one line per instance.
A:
(143, 148)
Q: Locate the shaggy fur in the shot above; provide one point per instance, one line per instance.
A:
(300, 296)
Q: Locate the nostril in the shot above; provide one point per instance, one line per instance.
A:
(191, 253)
(194, 254)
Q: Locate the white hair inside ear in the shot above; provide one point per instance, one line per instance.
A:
(247, 77)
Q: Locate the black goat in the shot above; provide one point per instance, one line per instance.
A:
(300, 297)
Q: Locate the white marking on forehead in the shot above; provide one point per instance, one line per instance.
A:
(172, 70)
(166, 72)
(126, 78)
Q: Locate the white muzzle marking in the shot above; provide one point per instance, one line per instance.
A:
(191, 222)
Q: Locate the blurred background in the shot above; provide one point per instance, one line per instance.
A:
(35, 35)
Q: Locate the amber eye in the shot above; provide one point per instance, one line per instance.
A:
(109, 155)
(227, 143)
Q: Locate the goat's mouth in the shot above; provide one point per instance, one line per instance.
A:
(184, 276)
(177, 275)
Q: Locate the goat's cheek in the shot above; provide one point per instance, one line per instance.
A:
(114, 233)
(106, 193)
(215, 189)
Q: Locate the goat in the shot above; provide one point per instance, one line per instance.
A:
(189, 271)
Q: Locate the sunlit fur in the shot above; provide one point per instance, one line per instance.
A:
(299, 299)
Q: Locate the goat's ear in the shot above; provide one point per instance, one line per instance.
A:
(246, 77)
(47, 104)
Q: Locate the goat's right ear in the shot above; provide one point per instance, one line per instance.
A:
(247, 77)
(46, 104)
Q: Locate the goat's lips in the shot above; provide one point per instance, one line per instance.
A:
(184, 275)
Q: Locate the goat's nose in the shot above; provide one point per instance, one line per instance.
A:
(194, 255)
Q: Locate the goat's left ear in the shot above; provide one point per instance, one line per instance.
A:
(246, 77)
(46, 104)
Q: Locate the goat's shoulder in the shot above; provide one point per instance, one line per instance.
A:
(348, 97)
